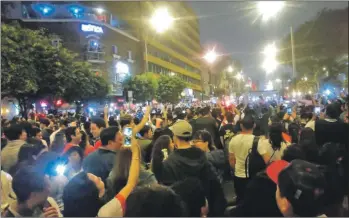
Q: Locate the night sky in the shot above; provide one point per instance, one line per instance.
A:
(229, 26)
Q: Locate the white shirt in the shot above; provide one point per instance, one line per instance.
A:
(52, 136)
(275, 154)
(311, 123)
(240, 146)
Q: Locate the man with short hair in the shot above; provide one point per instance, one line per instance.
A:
(97, 125)
(32, 190)
(63, 124)
(206, 122)
(101, 161)
(239, 148)
(330, 129)
(300, 188)
(144, 141)
(73, 136)
(16, 136)
(188, 161)
(45, 130)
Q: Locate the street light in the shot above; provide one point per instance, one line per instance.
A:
(269, 9)
(161, 20)
(278, 80)
(270, 65)
(270, 50)
(230, 69)
(211, 56)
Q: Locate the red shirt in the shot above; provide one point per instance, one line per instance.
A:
(67, 147)
(98, 144)
(89, 149)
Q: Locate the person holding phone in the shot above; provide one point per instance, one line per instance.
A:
(117, 206)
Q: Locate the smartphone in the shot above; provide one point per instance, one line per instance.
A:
(289, 111)
(317, 110)
(127, 136)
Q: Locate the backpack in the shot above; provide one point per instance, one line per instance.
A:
(254, 162)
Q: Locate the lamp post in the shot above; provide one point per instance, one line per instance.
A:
(210, 58)
(269, 10)
(160, 21)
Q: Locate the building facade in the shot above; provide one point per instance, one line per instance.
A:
(116, 39)
(175, 52)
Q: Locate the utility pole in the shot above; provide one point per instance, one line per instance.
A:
(293, 55)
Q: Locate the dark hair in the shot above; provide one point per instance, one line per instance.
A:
(26, 126)
(45, 121)
(205, 110)
(205, 136)
(192, 193)
(293, 152)
(247, 122)
(307, 134)
(184, 138)
(77, 149)
(144, 201)
(69, 132)
(64, 122)
(293, 130)
(108, 134)
(230, 117)
(13, 132)
(144, 130)
(100, 123)
(80, 197)
(35, 141)
(26, 181)
(189, 116)
(332, 111)
(335, 157)
(275, 136)
(125, 120)
(120, 172)
(34, 131)
(311, 150)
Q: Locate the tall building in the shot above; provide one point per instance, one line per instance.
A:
(117, 38)
(175, 52)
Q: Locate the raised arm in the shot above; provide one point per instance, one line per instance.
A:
(140, 126)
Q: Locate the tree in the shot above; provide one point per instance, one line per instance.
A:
(33, 68)
(318, 44)
(143, 86)
(169, 89)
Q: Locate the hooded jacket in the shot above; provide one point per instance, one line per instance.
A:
(192, 162)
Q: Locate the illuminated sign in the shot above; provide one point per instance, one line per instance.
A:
(91, 28)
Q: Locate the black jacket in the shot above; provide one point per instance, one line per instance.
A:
(191, 162)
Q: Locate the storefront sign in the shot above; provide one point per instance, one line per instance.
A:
(91, 28)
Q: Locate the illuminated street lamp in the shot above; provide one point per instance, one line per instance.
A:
(230, 69)
(269, 9)
(211, 56)
(161, 20)
(270, 50)
(270, 65)
(278, 80)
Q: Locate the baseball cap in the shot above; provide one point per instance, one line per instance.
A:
(181, 128)
(302, 183)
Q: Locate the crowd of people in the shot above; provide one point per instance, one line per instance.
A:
(280, 160)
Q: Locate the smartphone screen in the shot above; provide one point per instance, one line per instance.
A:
(289, 110)
(127, 136)
(317, 110)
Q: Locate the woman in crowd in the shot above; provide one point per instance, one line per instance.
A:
(85, 143)
(276, 141)
(119, 174)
